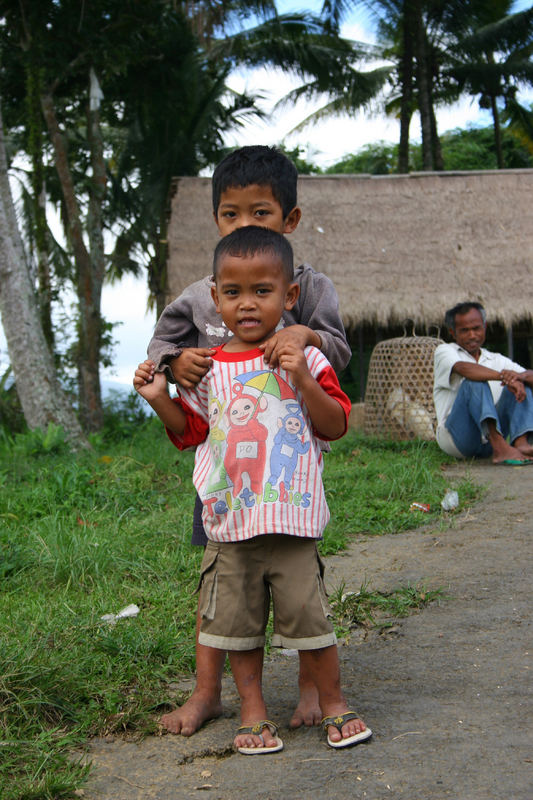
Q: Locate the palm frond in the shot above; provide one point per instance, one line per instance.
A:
(334, 12)
(356, 91)
(297, 43)
(504, 35)
(520, 121)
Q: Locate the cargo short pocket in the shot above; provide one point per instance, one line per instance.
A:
(207, 585)
(322, 588)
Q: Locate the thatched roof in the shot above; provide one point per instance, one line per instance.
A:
(396, 247)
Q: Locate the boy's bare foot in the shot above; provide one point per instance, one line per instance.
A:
(186, 719)
(307, 712)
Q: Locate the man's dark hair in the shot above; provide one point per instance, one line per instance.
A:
(262, 165)
(249, 241)
(462, 308)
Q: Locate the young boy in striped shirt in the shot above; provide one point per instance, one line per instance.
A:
(253, 185)
(258, 473)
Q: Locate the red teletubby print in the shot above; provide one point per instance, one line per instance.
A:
(246, 441)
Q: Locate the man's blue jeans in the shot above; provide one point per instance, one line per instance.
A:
(474, 405)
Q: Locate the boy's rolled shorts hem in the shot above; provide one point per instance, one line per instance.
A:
(236, 583)
(230, 643)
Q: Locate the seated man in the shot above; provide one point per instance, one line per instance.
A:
(481, 398)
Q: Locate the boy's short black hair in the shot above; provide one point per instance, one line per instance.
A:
(463, 308)
(252, 239)
(262, 165)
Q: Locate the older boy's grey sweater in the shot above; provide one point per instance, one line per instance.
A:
(192, 320)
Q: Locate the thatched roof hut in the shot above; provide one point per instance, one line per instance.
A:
(396, 247)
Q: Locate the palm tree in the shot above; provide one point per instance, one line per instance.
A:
(438, 51)
(346, 88)
(490, 56)
(173, 132)
(445, 49)
(406, 34)
(169, 133)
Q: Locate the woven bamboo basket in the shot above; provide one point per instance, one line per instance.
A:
(399, 390)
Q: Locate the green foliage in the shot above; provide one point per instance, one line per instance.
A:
(462, 149)
(83, 536)
(40, 442)
(165, 110)
(520, 122)
(474, 148)
(304, 167)
(123, 414)
(378, 158)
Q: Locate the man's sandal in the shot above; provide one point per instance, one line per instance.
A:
(513, 462)
(256, 730)
(338, 722)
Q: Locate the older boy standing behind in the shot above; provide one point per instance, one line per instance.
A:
(252, 186)
(262, 530)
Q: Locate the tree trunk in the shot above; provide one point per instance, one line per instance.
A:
(40, 228)
(41, 395)
(89, 300)
(157, 273)
(436, 149)
(497, 132)
(424, 83)
(406, 80)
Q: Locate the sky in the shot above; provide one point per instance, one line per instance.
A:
(324, 144)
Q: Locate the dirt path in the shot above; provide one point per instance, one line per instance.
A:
(448, 695)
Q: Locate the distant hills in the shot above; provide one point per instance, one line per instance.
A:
(114, 386)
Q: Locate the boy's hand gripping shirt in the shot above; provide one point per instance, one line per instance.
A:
(258, 462)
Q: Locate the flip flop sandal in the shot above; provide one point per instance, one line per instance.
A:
(256, 730)
(514, 462)
(338, 722)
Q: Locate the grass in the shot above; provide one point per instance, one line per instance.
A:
(374, 609)
(82, 536)
(371, 484)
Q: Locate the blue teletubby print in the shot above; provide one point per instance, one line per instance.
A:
(287, 445)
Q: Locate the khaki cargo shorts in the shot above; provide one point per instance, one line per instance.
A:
(239, 578)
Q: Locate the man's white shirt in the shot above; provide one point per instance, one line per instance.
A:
(446, 384)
